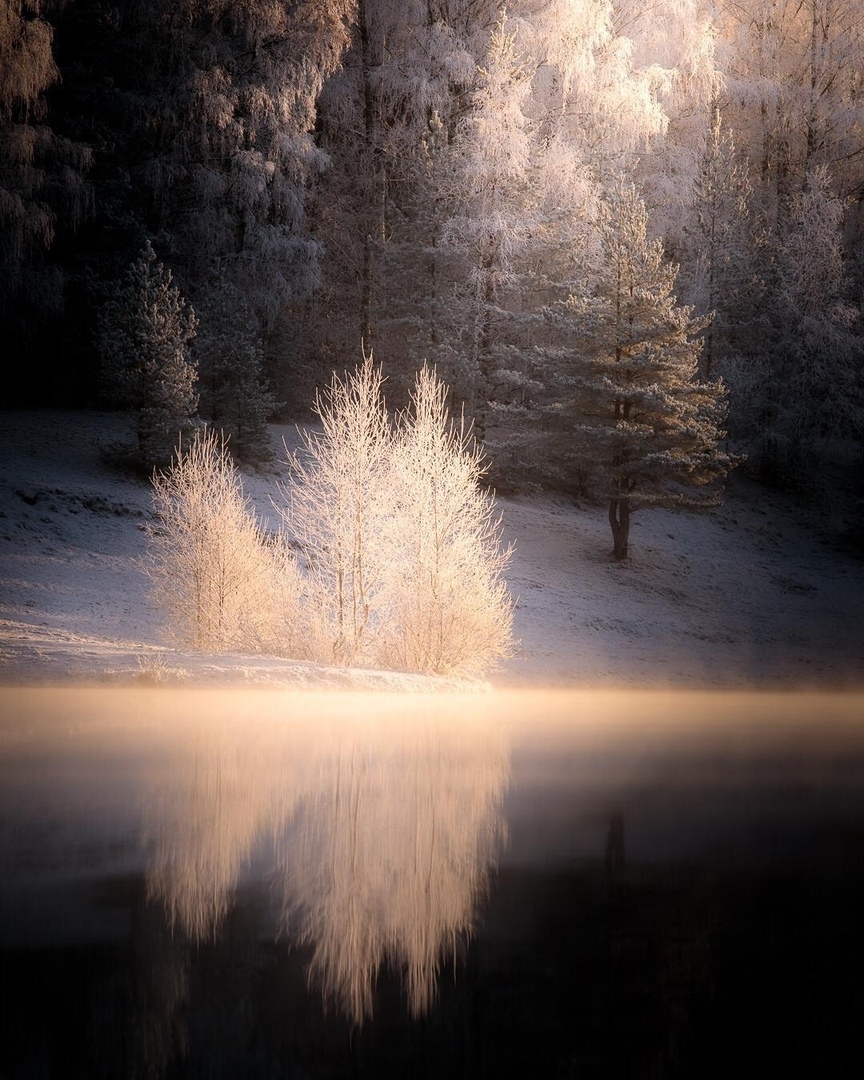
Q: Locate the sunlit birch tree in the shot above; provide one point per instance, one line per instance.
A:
(448, 608)
(223, 584)
(401, 543)
(335, 509)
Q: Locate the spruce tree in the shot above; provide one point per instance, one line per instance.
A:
(235, 395)
(623, 402)
(145, 330)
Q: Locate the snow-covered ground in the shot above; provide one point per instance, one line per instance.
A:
(744, 596)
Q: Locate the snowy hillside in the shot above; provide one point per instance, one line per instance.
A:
(748, 595)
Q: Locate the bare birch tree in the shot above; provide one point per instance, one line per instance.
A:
(405, 565)
(334, 509)
(222, 583)
(449, 611)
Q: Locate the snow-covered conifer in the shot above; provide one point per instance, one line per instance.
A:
(145, 330)
(814, 394)
(235, 394)
(622, 406)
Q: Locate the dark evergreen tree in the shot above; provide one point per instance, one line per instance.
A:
(228, 170)
(235, 394)
(42, 186)
(145, 330)
(813, 401)
(201, 114)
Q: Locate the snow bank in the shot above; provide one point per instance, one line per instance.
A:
(745, 596)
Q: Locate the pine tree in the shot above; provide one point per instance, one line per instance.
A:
(145, 330)
(720, 239)
(624, 403)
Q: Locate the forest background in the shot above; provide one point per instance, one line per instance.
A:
(433, 180)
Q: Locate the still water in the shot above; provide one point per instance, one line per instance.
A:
(255, 884)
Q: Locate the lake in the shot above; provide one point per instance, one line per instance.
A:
(230, 883)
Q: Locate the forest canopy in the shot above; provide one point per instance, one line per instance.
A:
(431, 179)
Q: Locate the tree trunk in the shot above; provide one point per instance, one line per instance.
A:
(619, 519)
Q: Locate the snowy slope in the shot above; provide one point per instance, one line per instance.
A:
(744, 596)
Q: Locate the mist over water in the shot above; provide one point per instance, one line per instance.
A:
(248, 882)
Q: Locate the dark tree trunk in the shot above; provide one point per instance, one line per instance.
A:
(619, 519)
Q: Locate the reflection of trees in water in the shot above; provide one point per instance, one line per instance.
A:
(226, 790)
(385, 834)
(393, 856)
(157, 993)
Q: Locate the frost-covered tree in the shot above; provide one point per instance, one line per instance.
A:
(814, 393)
(402, 546)
(623, 404)
(673, 61)
(242, 153)
(558, 105)
(792, 104)
(725, 270)
(466, 144)
(720, 241)
(385, 120)
(794, 93)
(490, 195)
(236, 396)
(145, 331)
(335, 510)
(223, 584)
(448, 608)
(205, 115)
(240, 119)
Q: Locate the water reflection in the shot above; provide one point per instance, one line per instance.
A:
(393, 854)
(223, 793)
(682, 874)
(380, 836)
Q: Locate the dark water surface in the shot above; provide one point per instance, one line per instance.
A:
(256, 884)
